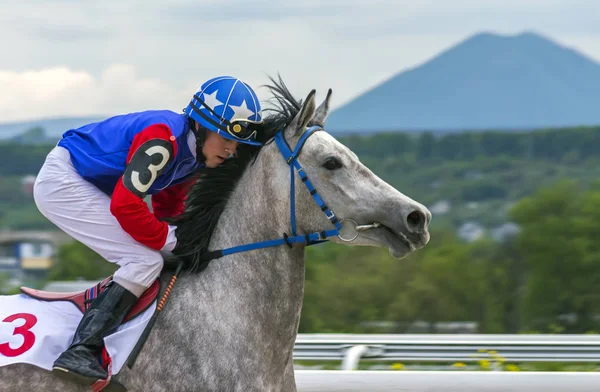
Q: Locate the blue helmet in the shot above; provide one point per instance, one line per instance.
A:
(227, 106)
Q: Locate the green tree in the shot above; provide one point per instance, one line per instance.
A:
(559, 242)
(503, 275)
(443, 283)
(426, 146)
(346, 286)
(77, 261)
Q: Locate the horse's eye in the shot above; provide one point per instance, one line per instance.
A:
(332, 164)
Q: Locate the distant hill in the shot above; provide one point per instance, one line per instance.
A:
(53, 128)
(488, 81)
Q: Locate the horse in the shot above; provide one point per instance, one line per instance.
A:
(233, 326)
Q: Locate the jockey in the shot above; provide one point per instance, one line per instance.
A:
(93, 184)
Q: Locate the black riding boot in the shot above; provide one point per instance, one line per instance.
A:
(80, 362)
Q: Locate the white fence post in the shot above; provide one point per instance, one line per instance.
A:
(352, 357)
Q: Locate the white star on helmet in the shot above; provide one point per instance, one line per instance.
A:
(211, 100)
(241, 112)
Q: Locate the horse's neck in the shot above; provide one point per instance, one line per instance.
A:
(262, 287)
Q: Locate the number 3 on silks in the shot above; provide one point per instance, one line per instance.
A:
(146, 164)
(23, 330)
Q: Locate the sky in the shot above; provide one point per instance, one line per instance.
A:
(76, 58)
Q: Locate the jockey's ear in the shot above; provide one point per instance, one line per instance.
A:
(299, 123)
(322, 111)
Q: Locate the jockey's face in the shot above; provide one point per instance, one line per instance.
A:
(217, 149)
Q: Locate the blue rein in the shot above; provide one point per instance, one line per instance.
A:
(308, 239)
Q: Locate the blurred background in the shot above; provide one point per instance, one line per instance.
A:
(486, 112)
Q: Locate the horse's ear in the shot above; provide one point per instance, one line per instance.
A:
(322, 111)
(298, 125)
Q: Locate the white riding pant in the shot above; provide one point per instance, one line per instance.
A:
(83, 211)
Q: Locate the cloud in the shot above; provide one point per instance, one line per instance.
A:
(171, 47)
(60, 91)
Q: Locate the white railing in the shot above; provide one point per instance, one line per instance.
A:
(447, 348)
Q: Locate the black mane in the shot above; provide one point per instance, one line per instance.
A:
(208, 197)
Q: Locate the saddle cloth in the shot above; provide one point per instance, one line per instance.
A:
(37, 326)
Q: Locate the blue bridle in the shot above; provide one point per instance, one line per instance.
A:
(291, 158)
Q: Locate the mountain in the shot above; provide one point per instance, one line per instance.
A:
(53, 128)
(488, 81)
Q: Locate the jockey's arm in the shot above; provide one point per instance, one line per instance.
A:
(170, 201)
(128, 205)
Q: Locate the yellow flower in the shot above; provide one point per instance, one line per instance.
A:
(459, 364)
(511, 368)
(484, 364)
(397, 366)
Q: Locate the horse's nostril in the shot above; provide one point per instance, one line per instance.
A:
(416, 220)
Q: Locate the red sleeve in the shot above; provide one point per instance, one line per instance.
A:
(128, 207)
(170, 201)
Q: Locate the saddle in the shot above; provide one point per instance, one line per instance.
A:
(83, 299)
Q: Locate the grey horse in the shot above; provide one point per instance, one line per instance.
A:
(233, 326)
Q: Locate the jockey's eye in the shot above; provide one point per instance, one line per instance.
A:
(332, 163)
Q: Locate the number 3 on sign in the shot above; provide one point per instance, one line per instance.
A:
(23, 330)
